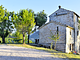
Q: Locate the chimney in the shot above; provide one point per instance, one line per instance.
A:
(59, 7)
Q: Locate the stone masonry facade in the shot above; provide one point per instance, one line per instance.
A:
(45, 34)
(67, 24)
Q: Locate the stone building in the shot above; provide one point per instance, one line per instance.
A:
(66, 23)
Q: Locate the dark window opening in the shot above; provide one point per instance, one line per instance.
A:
(57, 30)
(36, 41)
(71, 47)
(70, 32)
(77, 33)
(56, 13)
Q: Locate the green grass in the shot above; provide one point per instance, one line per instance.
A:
(53, 52)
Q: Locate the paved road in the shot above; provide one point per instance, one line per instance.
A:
(21, 53)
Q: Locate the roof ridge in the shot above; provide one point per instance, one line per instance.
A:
(67, 10)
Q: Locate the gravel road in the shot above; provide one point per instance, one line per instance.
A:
(21, 53)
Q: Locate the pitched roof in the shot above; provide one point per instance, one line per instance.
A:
(35, 35)
(72, 11)
(67, 10)
(59, 22)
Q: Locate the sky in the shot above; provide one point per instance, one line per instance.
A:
(49, 6)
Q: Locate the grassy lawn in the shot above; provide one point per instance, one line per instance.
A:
(53, 52)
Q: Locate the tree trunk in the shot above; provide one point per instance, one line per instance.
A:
(23, 39)
(3, 39)
(51, 45)
(55, 45)
(28, 38)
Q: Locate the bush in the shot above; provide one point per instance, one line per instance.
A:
(17, 40)
(77, 54)
(70, 52)
(40, 45)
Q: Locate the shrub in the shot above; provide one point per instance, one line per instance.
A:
(70, 52)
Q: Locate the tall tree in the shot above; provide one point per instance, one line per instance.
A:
(5, 24)
(24, 22)
(40, 18)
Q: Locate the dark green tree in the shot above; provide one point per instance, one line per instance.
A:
(24, 22)
(40, 18)
(5, 24)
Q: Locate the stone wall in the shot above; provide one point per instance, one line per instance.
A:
(63, 16)
(44, 34)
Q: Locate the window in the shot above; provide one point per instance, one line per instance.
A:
(57, 29)
(77, 33)
(70, 32)
(36, 41)
(71, 47)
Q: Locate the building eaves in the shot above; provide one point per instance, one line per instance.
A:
(72, 11)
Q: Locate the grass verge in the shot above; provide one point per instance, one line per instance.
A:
(53, 52)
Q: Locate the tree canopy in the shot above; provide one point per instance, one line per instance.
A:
(40, 18)
(5, 24)
(24, 21)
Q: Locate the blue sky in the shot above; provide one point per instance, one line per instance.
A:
(38, 5)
